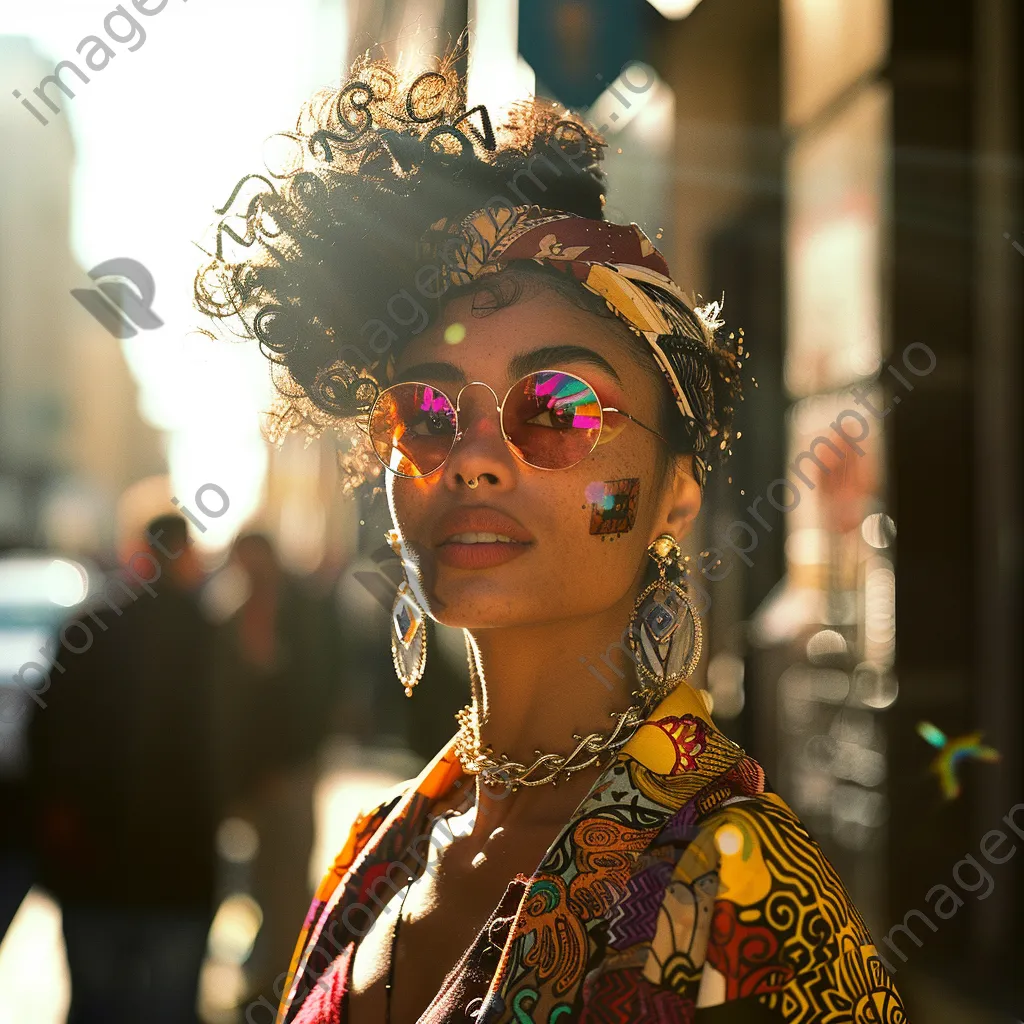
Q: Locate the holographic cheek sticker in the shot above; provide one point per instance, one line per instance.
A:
(613, 506)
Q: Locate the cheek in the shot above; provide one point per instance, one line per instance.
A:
(617, 504)
(619, 498)
(599, 540)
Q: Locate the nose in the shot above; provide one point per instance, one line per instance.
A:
(480, 452)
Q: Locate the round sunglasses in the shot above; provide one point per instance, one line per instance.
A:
(549, 419)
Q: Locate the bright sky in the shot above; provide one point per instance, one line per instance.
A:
(162, 134)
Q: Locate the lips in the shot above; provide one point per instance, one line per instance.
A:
(479, 537)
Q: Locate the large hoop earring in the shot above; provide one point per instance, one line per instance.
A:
(665, 631)
(408, 624)
(408, 638)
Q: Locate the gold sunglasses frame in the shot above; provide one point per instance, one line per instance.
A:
(499, 406)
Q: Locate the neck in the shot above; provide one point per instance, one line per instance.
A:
(541, 684)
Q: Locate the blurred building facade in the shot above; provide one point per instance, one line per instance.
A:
(849, 175)
(73, 437)
(35, 258)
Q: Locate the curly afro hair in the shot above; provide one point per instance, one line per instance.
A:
(323, 275)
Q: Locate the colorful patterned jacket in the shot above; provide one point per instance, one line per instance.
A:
(680, 883)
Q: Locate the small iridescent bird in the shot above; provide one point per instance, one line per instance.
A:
(951, 752)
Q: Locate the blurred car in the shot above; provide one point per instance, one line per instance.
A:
(38, 592)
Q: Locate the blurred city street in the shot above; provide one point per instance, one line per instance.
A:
(186, 741)
(34, 983)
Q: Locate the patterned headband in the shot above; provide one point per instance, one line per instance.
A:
(619, 263)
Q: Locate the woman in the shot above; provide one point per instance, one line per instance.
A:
(544, 405)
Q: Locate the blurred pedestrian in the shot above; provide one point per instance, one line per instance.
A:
(273, 693)
(123, 791)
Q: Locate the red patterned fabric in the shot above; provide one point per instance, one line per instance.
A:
(617, 996)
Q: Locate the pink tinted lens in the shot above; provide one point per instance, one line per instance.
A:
(552, 418)
(412, 428)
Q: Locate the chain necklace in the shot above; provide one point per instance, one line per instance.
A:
(478, 759)
(503, 771)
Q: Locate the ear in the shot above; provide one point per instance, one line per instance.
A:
(680, 504)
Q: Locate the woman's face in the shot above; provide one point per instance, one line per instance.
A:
(581, 533)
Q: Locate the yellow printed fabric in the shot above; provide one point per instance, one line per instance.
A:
(682, 890)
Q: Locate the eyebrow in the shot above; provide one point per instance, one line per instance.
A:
(542, 358)
(518, 366)
(444, 372)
